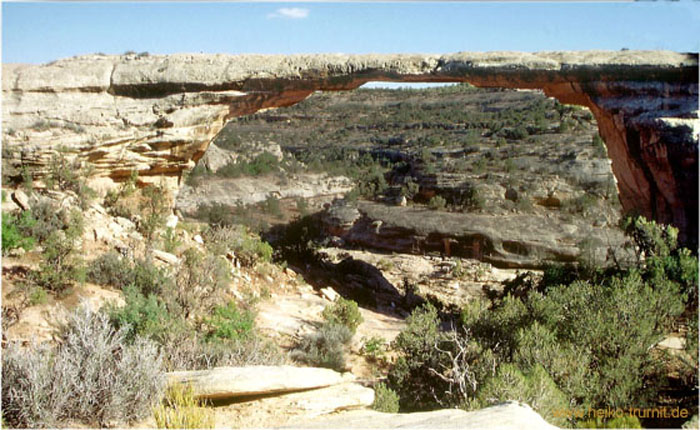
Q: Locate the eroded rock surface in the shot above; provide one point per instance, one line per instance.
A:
(510, 415)
(506, 241)
(158, 114)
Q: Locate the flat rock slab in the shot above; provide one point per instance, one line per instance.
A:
(510, 415)
(270, 412)
(234, 382)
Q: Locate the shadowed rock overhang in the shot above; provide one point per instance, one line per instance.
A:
(158, 114)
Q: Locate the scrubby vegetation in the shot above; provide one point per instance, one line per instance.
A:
(181, 410)
(93, 375)
(586, 343)
(385, 399)
(344, 313)
(326, 346)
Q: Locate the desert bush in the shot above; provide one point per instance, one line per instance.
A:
(437, 368)
(12, 237)
(324, 347)
(247, 247)
(343, 312)
(592, 338)
(385, 399)
(149, 278)
(215, 214)
(437, 203)
(112, 269)
(271, 206)
(154, 208)
(42, 220)
(651, 238)
(374, 347)
(195, 176)
(600, 150)
(92, 375)
(262, 164)
(581, 205)
(182, 410)
(70, 175)
(199, 282)
(534, 387)
(193, 353)
(146, 316)
(170, 240)
(624, 422)
(230, 323)
(122, 202)
(61, 265)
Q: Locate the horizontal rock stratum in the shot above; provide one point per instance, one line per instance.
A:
(158, 114)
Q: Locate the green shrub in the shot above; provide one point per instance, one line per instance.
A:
(170, 240)
(599, 146)
(145, 316)
(12, 237)
(110, 269)
(385, 399)
(581, 205)
(247, 247)
(625, 422)
(262, 164)
(534, 387)
(437, 368)
(569, 365)
(437, 203)
(271, 206)
(343, 312)
(69, 175)
(195, 176)
(199, 283)
(37, 296)
(61, 265)
(324, 347)
(42, 220)
(193, 353)
(374, 347)
(149, 278)
(182, 410)
(92, 375)
(230, 323)
(154, 208)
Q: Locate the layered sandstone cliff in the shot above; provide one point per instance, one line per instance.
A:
(158, 114)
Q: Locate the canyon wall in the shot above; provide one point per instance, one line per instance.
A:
(158, 114)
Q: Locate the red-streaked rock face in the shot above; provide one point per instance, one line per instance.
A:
(158, 114)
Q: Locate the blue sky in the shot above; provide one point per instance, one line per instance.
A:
(42, 32)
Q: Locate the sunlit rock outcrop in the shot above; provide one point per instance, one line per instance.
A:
(158, 114)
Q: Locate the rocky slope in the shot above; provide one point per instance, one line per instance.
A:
(507, 241)
(158, 114)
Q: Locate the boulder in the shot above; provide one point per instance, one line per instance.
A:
(329, 293)
(233, 382)
(171, 221)
(21, 199)
(166, 257)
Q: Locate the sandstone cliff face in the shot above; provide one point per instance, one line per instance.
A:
(158, 114)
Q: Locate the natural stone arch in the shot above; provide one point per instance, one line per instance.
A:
(165, 110)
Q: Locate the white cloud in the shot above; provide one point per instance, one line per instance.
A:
(290, 12)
